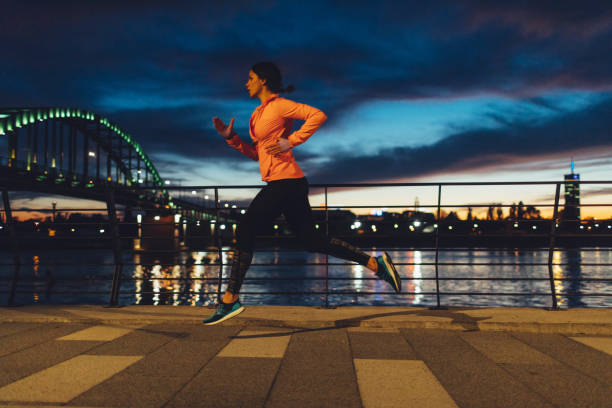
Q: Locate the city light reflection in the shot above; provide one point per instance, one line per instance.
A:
(358, 275)
(415, 285)
(138, 275)
(197, 273)
(558, 274)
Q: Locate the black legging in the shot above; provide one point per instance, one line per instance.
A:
(289, 197)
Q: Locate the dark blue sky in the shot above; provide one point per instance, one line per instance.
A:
(413, 90)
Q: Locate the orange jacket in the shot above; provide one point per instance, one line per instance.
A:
(270, 121)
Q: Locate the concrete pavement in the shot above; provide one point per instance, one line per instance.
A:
(565, 321)
(146, 356)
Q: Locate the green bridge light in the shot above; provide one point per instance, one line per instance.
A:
(23, 117)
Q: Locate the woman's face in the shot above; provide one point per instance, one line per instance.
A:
(254, 85)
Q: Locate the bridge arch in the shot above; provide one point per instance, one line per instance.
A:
(75, 146)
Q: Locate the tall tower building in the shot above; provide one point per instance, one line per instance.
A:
(572, 195)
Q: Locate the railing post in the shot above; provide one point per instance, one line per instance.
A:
(114, 229)
(326, 256)
(437, 250)
(14, 244)
(553, 234)
(218, 240)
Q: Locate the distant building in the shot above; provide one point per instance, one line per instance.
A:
(571, 210)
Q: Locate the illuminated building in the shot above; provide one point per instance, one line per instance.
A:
(571, 210)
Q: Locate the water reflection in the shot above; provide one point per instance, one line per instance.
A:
(180, 278)
(42, 284)
(411, 274)
(572, 270)
(191, 278)
(416, 284)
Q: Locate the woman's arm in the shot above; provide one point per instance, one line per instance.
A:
(313, 119)
(248, 150)
(227, 131)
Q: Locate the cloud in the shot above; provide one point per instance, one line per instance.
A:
(474, 149)
(163, 66)
(89, 51)
(572, 20)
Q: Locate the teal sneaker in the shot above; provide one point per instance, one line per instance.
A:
(224, 311)
(386, 271)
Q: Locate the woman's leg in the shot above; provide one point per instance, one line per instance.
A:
(298, 213)
(264, 208)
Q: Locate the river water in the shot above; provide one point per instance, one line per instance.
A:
(189, 278)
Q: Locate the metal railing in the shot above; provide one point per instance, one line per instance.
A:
(121, 232)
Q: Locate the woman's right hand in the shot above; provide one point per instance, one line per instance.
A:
(227, 131)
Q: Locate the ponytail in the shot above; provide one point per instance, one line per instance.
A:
(270, 72)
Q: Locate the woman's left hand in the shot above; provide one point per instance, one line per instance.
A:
(281, 146)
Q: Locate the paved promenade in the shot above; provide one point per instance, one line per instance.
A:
(146, 356)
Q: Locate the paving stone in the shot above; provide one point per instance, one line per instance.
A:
(398, 383)
(317, 371)
(203, 333)
(42, 333)
(562, 385)
(62, 382)
(585, 359)
(229, 382)
(502, 348)
(29, 361)
(139, 342)
(97, 333)
(556, 382)
(603, 344)
(6, 329)
(134, 391)
(470, 378)
(183, 357)
(383, 346)
(254, 343)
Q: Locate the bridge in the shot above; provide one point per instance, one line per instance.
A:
(79, 153)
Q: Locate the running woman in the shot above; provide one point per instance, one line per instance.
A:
(286, 191)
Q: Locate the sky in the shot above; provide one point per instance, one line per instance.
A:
(414, 91)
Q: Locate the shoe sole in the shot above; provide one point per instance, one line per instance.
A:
(396, 278)
(227, 316)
